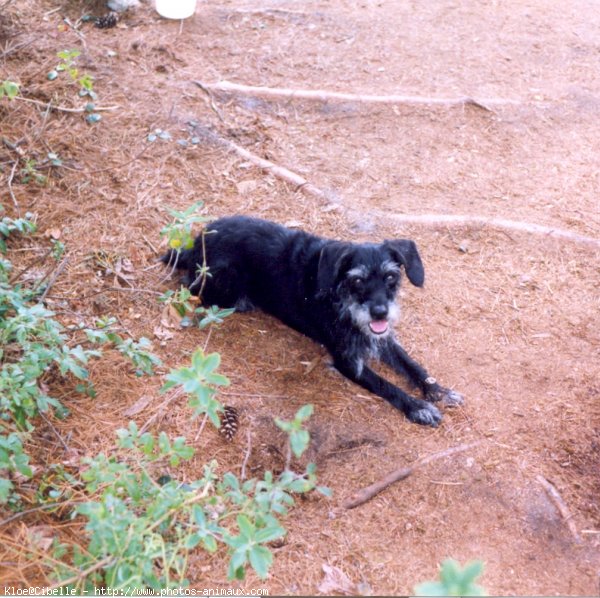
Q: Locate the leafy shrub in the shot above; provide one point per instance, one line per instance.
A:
(141, 525)
(32, 345)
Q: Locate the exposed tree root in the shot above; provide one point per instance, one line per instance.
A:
(560, 505)
(326, 96)
(432, 220)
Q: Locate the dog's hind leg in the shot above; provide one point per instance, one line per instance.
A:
(399, 360)
(416, 410)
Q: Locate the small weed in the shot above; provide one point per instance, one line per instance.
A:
(30, 173)
(179, 300)
(212, 315)
(10, 89)
(67, 64)
(179, 231)
(454, 580)
(58, 249)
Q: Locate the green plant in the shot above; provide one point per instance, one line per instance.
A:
(138, 352)
(212, 315)
(180, 300)
(30, 173)
(454, 580)
(142, 524)
(58, 249)
(179, 231)
(67, 64)
(10, 89)
(34, 346)
(8, 225)
(299, 437)
(199, 381)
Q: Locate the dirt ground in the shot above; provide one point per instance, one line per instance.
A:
(506, 317)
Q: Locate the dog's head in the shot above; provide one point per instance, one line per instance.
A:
(365, 280)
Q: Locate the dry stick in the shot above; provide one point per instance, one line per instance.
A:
(35, 510)
(324, 96)
(160, 410)
(55, 431)
(369, 492)
(37, 262)
(10, 189)
(211, 101)
(64, 109)
(247, 455)
(418, 219)
(560, 505)
(52, 280)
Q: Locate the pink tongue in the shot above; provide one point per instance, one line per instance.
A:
(378, 326)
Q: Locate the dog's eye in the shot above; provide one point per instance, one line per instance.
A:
(356, 282)
(391, 278)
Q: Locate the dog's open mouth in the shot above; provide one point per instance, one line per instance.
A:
(378, 326)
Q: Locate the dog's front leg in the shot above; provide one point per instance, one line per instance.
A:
(399, 360)
(416, 410)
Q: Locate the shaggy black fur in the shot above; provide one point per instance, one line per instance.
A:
(340, 294)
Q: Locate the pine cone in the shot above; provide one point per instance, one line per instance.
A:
(107, 21)
(229, 423)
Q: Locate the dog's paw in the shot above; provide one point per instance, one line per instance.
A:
(427, 415)
(436, 393)
(452, 398)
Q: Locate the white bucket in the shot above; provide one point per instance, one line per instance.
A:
(176, 9)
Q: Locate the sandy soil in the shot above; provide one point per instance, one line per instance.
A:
(508, 318)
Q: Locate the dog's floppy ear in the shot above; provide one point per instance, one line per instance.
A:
(333, 258)
(405, 253)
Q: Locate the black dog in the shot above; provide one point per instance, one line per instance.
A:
(342, 295)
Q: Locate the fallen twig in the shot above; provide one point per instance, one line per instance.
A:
(210, 101)
(55, 431)
(560, 505)
(63, 108)
(457, 220)
(247, 455)
(52, 280)
(362, 496)
(10, 189)
(161, 408)
(45, 507)
(325, 96)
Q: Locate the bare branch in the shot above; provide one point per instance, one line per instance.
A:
(362, 496)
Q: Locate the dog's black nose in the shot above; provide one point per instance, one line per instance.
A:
(379, 312)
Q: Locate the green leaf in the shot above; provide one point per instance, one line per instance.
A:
(236, 564)
(261, 559)
(472, 571)
(210, 543)
(245, 526)
(269, 534)
(304, 412)
(5, 490)
(430, 588)
(325, 491)
(299, 440)
(450, 572)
